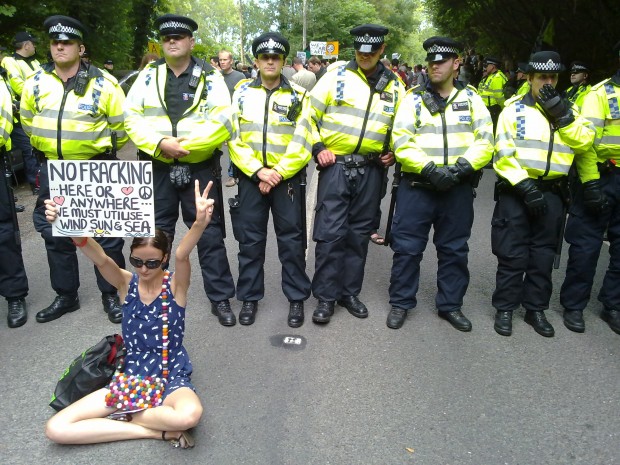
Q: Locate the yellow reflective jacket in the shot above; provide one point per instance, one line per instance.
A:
(577, 94)
(206, 124)
(62, 124)
(340, 100)
(491, 89)
(527, 146)
(18, 69)
(263, 131)
(6, 115)
(463, 129)
(601, 106)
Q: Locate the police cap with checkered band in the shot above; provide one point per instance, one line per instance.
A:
(368, 38)
(64, 28)
(579, 67)
(270, 43)
(547, 62)
(441, 48)
(173, 25)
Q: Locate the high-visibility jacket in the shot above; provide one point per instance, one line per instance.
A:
(18, 69)
(577, 94)
(6, 115)
(62, 124)
(263, 130)
(463, 129)
(527, 145)
(206, 124)
(340, 102)
(601, 106)
(491, 89)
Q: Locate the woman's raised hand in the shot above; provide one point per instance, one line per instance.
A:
(204, 205)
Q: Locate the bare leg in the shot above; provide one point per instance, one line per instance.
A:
(84, 421)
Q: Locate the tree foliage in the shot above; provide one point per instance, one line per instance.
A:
(585, 30)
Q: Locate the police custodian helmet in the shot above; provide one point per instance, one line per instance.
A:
(441, 48)
(270, 43)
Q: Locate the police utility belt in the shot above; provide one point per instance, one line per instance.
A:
(355, 163)
(417, 180)
(181, 173)
(557, 186)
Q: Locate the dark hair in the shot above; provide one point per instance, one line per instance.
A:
(159, 241)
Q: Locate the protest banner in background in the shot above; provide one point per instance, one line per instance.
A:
(102, 198)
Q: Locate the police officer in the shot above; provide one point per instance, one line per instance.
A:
(353, 104)
(19, 66)
(579, 73)
(596, 207)
(442, 138)
(491, 87)
(178, 115)
(13, 280)
(266, 111)
(79, 107)
(538, 136)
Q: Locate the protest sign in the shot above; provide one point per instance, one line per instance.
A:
(98, 198)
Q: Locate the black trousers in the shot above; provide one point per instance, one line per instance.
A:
(217, 279)
(584, 233)
(451, 215)
(61, 252)
(250, 220)
(345, 213)
(525, 249)
(13, 279)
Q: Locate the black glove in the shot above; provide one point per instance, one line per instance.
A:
(440, 177)
(594, 200)
(556, 108)
(532, 196)
(462, 168)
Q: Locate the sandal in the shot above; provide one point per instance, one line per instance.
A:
(184, 441)
(377, 238)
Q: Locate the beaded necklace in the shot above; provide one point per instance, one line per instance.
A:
(135, 393)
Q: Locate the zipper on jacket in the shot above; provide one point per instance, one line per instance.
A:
(359, 142)
(266, 119)
(549, 151)
(444, 129)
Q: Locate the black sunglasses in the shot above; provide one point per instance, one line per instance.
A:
(150, 264)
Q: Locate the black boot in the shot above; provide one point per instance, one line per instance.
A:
(573, 320)
(539, 322)
(457, 320)
(323, 312)
(112, 306)
(612, 317)
(503, 323)
(248, 312)
(396, 318)
(223, 312)
(354, 306)
(62, 304)
(18, 315)
(296, 314)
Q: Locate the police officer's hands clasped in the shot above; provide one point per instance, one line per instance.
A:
(532, 196)
(462, 168)
(326, 158)
(556, 108)
(268, 178)
(440, 176)
(171, 147)
(593, 198)
(387, 159)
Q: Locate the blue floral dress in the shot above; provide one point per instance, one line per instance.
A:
(142, 333)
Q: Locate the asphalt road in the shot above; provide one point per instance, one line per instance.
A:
(351, 392)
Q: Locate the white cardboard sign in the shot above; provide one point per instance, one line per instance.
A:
(98, 198)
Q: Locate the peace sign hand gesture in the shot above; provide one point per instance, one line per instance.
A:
(204, 205)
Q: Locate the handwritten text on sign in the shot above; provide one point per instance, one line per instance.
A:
(102, 198)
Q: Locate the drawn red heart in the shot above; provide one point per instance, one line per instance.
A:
(59, 199)
(127, 190)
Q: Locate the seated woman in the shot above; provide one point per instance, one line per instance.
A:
(89, 420)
